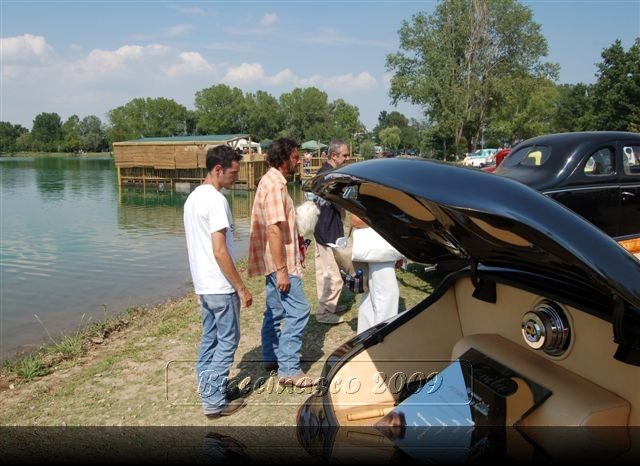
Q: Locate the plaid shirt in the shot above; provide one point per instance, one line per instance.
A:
(272, 204)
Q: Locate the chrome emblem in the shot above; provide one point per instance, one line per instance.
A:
(547, 328)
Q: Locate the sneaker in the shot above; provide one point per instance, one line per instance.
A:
(300, 380)
(329, 318)
(342, 308)
(230, 408)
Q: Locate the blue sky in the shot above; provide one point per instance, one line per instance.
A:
(86, 57)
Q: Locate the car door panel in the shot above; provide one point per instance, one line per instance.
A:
(597, 204)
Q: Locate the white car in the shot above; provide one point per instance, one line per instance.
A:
(481, 157)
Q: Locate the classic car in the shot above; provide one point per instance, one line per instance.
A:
(499, 157)
(480, 158)
(541, 328)
(596, 174)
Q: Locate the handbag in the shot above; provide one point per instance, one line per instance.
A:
(369, 246)
(355, 275)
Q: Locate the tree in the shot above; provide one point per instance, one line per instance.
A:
(264, 118)
(409, 129)
(47, 132)
(390, 137)
(147, 118)
(526, 109)
(389, 119)
(165, 117)
(70, 134)
(616, 93)
(453, 62)
(368, 149)
(306, 114)
(345, 120)
(9, 134)
(191, 122)
(92, 135)
(220, 109)
(573, 108)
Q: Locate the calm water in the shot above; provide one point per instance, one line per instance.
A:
(72, 242)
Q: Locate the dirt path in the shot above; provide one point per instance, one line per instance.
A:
(144, 375)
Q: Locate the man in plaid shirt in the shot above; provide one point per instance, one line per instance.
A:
(274, 252)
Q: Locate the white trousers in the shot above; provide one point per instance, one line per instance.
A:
(381, 301)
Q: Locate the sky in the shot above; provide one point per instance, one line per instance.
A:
(87, 57)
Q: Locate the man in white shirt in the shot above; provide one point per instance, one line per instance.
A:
(208, 228)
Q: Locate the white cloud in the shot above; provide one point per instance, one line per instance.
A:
(283, 77)
(269, 19)
(350, 83)
(180, 30)
(245, 73)
(253, 73)
(25, 48)
(190, 63)
(128, 60)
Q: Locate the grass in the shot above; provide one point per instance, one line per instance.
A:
(141, 371)
(27, 367)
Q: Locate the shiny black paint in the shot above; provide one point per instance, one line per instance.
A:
(599, 199)
(468, 207)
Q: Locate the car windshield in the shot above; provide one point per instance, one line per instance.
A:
(529, 156)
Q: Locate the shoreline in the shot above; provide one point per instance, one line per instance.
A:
(137, 368)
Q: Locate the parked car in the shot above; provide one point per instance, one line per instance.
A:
(592, 173)
(480, 158)
(499, 157)
(541, 328)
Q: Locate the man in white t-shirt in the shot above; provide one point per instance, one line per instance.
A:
(208, 228)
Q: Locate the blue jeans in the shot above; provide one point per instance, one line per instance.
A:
(220, 337)
(290, 311)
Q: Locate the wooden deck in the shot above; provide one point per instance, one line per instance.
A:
(166, 166)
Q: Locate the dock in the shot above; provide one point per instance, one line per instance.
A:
(178, 163)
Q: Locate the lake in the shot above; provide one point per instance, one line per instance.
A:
(73, 243)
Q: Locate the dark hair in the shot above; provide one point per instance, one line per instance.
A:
(221, 155)
(280, 150)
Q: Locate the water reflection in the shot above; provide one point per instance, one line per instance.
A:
(58, 176)
(145, 210)
(73, 242)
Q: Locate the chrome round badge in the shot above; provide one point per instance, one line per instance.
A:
(547, 328)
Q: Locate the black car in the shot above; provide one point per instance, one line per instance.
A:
(540, 329)
(596, 174)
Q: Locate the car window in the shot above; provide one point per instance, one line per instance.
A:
(530, 156)
(631, 159)
(600, 163)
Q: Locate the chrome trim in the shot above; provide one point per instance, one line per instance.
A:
(546, 328)
(587, 188)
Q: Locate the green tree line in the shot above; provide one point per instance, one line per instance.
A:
(301, 114)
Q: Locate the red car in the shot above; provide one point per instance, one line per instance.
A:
(499, 157)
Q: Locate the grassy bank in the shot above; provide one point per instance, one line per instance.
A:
(137, 369)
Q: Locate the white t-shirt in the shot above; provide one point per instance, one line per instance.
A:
(205, 212)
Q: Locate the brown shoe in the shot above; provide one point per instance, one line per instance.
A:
(328, 318)
(300, 380)
(230, 408)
